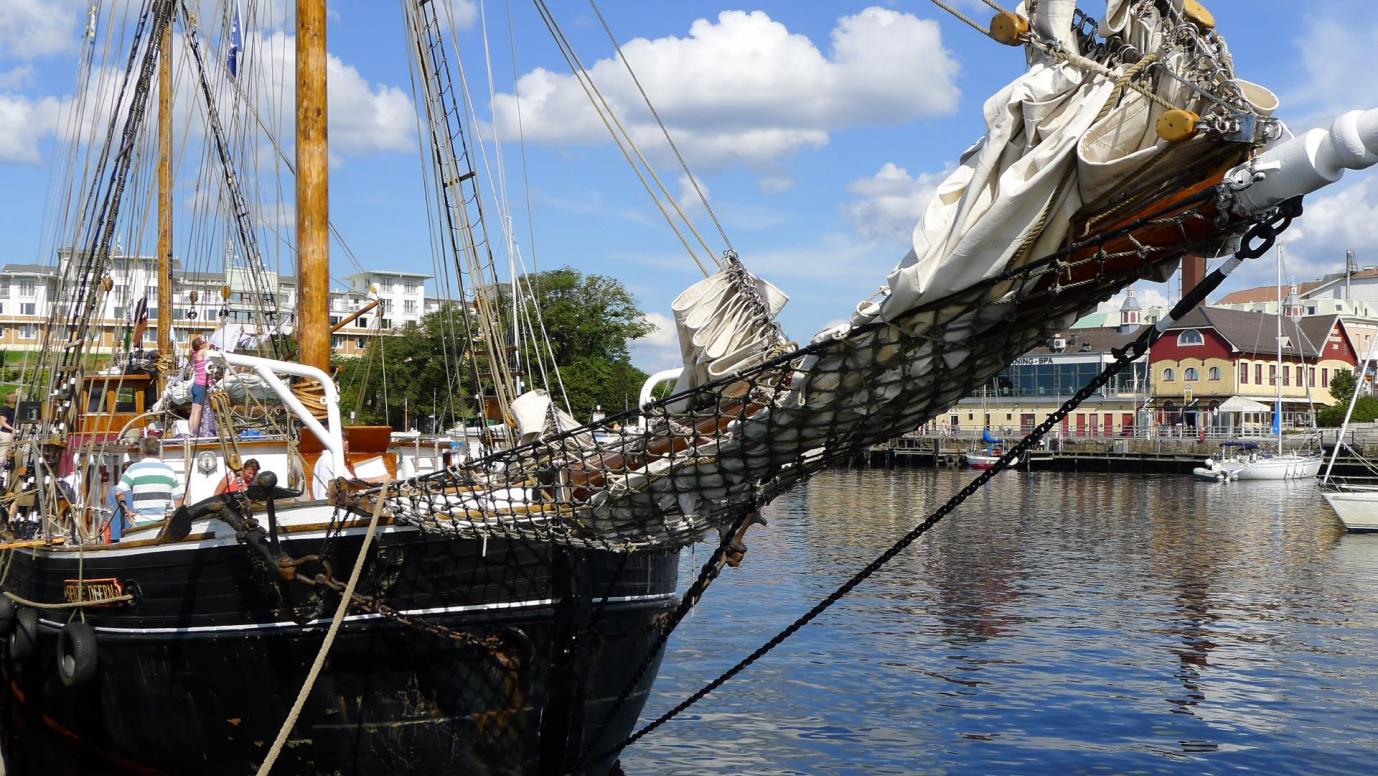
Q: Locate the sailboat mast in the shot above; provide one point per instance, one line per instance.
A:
(165, 194)
(1277, 381)
(313, 200)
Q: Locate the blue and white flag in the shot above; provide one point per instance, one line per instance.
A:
(236, 45)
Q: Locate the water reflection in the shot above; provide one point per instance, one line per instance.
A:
(1055, 621)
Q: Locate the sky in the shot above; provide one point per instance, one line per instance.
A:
(818, 130)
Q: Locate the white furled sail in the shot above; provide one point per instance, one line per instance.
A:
(1059, 137)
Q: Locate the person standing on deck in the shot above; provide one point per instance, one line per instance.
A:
(200, 382)
(7, 428)
(149, 487)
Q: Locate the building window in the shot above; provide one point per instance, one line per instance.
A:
(384, 323)
(360, 343)
(1214, 373)
(1190, 337)
(1167, 375)
(337, 342)
(119, 312)
(409, 306)
(1286, 375)
(28, 331)
(1301, 381)
(1258, 374)
(1244, 374)
(1189, 374)
(26, 288)
(1325, 377)
(334, 320)
(1311, 377)
(1272, 374)
(27, 308)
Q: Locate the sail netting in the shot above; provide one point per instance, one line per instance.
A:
(699, 459)
(1082, 184)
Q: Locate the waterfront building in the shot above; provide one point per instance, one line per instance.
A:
(201, 300)
(1038, 382)
(1215, 353)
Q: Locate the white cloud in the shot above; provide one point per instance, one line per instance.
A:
(457, 14)
(364, 117)
(659, 349)
(37, 28)
(23, 123)
(891, 201)
(1146, 292)
(1331, 52)
(1331, 224)
(16, 77)
(775, 184)
(688, 197)
(746, 89)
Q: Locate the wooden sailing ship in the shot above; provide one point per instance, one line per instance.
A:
(509, 614)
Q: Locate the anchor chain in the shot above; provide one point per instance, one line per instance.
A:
(370, 604)
(1257, 241)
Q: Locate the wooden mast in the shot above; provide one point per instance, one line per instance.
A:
(165, 194)
(313, 204)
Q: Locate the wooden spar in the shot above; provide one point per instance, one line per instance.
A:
(348, 319)
(165, 194)
(313, 199)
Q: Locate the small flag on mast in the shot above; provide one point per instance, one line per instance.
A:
(139, 317)
(236, 45)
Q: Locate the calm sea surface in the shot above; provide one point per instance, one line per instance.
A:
(1073, 622)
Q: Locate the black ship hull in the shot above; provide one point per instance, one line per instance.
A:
(503, 657)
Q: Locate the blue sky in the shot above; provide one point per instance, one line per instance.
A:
(817, 128)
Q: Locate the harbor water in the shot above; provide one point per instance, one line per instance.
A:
(1055, 622)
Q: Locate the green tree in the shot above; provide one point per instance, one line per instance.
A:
(589, 322)
(1342, 385)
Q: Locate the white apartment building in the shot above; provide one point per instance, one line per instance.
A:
(200, 300)
(401, 295)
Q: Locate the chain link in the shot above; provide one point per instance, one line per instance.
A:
(1265, 230)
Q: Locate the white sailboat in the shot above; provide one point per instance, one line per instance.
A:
(1255, 466)
(1355, 503)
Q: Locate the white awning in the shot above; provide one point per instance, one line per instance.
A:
(1241, 404)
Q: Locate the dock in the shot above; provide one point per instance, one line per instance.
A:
(1137, 454)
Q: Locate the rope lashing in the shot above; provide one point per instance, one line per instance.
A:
(1264, 232)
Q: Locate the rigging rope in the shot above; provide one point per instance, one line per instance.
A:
(346, 598)
(624, 141)
(1264, 232)
(693, 179)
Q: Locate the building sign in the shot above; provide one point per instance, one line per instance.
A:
(1032, 360)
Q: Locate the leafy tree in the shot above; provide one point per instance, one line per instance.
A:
(1342, 385)
(589, 322)
(1365, 411)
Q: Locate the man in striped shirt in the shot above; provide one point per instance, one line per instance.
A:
(148, 487)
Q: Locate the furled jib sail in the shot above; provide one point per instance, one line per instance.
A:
(1101, 165)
